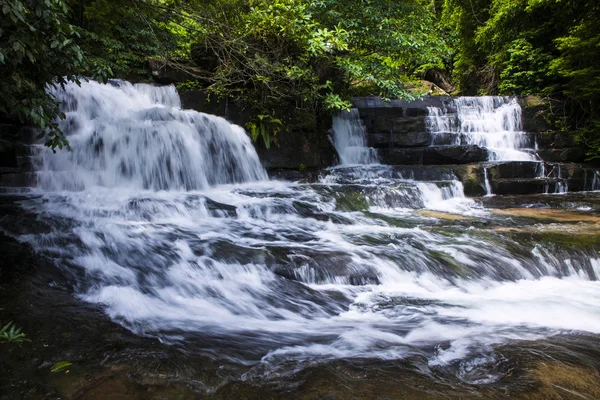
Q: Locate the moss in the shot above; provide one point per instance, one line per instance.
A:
(448, 261)
(351, 201)
(563, 381)
(568, 240)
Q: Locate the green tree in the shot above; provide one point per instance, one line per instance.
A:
(37, 48)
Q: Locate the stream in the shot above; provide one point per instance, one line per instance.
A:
(166, 220)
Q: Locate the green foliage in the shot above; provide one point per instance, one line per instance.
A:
(547, 47)
(37, 47)
(10, 333)
(60, 366)
(525, 70)
(118, 36)
(265, 127)
(311, 55)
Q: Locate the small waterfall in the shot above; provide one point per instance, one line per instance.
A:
(350, 139)
(487, 121)
(486, 181)
(138, 137)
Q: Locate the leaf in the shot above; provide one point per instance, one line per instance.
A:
(60, 366)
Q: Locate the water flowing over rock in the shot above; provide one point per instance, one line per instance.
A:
(350, 139)
(137, 137)
(166, 219)
(491, 122)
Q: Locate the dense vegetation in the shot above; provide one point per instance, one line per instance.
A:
(290, 61)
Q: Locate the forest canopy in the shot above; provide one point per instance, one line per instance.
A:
(296, 60)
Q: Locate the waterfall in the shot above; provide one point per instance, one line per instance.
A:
(138, 137)
(350, 139)
(164, 218)
(486, 181)
(486, 121)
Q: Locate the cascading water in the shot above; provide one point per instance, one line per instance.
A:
(486, 121)
(165, 218)
(138, 137)
(350, 139)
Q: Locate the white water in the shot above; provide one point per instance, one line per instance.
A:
(138, 137)
(350, 139)
(165, 218)
(487, 121)
(486, 182)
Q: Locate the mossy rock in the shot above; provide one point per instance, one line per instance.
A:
(351, 201)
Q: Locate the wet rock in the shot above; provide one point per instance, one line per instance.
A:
(410, 139)
(473, 179)
(434, 155)
(514, 169)
(523, 186)
(304, 176)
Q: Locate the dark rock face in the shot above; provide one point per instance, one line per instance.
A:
(15, 158)
(569, 154)
(534, 110)
(396, 139)
(395, 124)
(434, 155)
(201, 101)
(294, 151)
(523, 186)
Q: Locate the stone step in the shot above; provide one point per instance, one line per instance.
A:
(537, 177)
(433, 155)
(528, 186)
(408, 139)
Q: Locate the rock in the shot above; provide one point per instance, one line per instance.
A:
(370, 104)
(439, 79)
(534, 110)
(410, 139)
(294, 151)
(434, 155)
(563, 140)
(570, 154)
(200, 100)
(514, 169)
(305, 176)
(8, 154)
(523, 186)
(396, 124)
